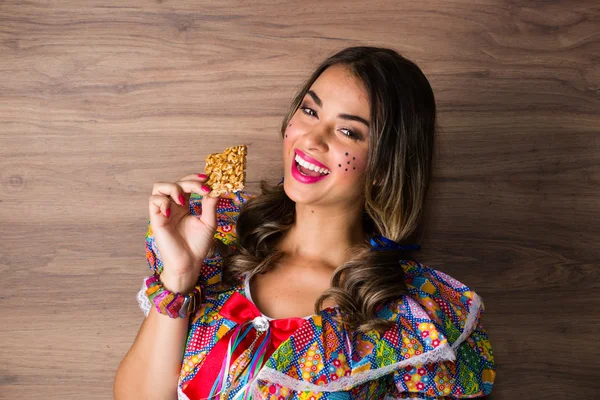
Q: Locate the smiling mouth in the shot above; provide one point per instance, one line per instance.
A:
(309, 169)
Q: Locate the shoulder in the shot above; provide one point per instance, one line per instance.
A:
(440, 325)
(452, 305)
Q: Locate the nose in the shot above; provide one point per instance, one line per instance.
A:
(316, 139)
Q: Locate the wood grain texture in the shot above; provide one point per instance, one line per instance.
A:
(98, 100)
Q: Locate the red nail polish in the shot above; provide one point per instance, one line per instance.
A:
(205, 188)
(168, 212)
(202, 176)
(181, 200)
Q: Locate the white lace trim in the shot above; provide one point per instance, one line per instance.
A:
(442, 353)
(143, 300)
(470, 324)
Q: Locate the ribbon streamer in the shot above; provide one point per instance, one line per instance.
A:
(238, 345)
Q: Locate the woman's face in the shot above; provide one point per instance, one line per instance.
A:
(327, 130)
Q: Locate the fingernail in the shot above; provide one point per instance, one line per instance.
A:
(168, 212)
(181, 200)
(202, 176)
(205, 188)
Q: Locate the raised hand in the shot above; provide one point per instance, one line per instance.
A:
(183, 239)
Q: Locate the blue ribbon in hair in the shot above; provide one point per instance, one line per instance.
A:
(391, 245)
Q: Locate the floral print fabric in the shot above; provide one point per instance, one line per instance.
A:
(436, 349)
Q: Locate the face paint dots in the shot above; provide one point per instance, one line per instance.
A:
(348, 162)
(288, 127)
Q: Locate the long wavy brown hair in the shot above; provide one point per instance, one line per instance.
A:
(398, 174)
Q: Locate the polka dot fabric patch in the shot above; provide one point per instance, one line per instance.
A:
(437, 346)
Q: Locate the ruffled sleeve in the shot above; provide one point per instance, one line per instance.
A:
(228, 209)
(446, 314)
(436, 348)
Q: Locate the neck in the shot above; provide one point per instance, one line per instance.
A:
(323, 235)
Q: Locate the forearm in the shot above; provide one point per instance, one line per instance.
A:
(151, 367)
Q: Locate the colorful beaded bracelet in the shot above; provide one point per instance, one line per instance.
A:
(175, 305)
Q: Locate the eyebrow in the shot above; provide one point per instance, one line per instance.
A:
(342, 115)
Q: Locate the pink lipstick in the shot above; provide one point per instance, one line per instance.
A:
(300, 177)
(308, 158)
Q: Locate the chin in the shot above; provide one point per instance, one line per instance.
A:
(306, 196)
(296, 195)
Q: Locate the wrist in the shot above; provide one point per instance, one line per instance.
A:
(183, 284)
(174, 303)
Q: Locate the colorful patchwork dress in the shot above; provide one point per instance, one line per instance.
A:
(437, 349)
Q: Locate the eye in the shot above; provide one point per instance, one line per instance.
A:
(303, 108)
(350, 133)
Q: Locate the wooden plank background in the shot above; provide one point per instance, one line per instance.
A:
(99, 99)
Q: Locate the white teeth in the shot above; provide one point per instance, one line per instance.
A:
(310, 166)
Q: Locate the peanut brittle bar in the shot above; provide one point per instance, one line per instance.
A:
(226, 170)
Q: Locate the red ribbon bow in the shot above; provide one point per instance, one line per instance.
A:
(239, 309)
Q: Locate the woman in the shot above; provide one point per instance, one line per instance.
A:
(307, 292)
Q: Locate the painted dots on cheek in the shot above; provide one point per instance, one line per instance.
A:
(348, 162)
